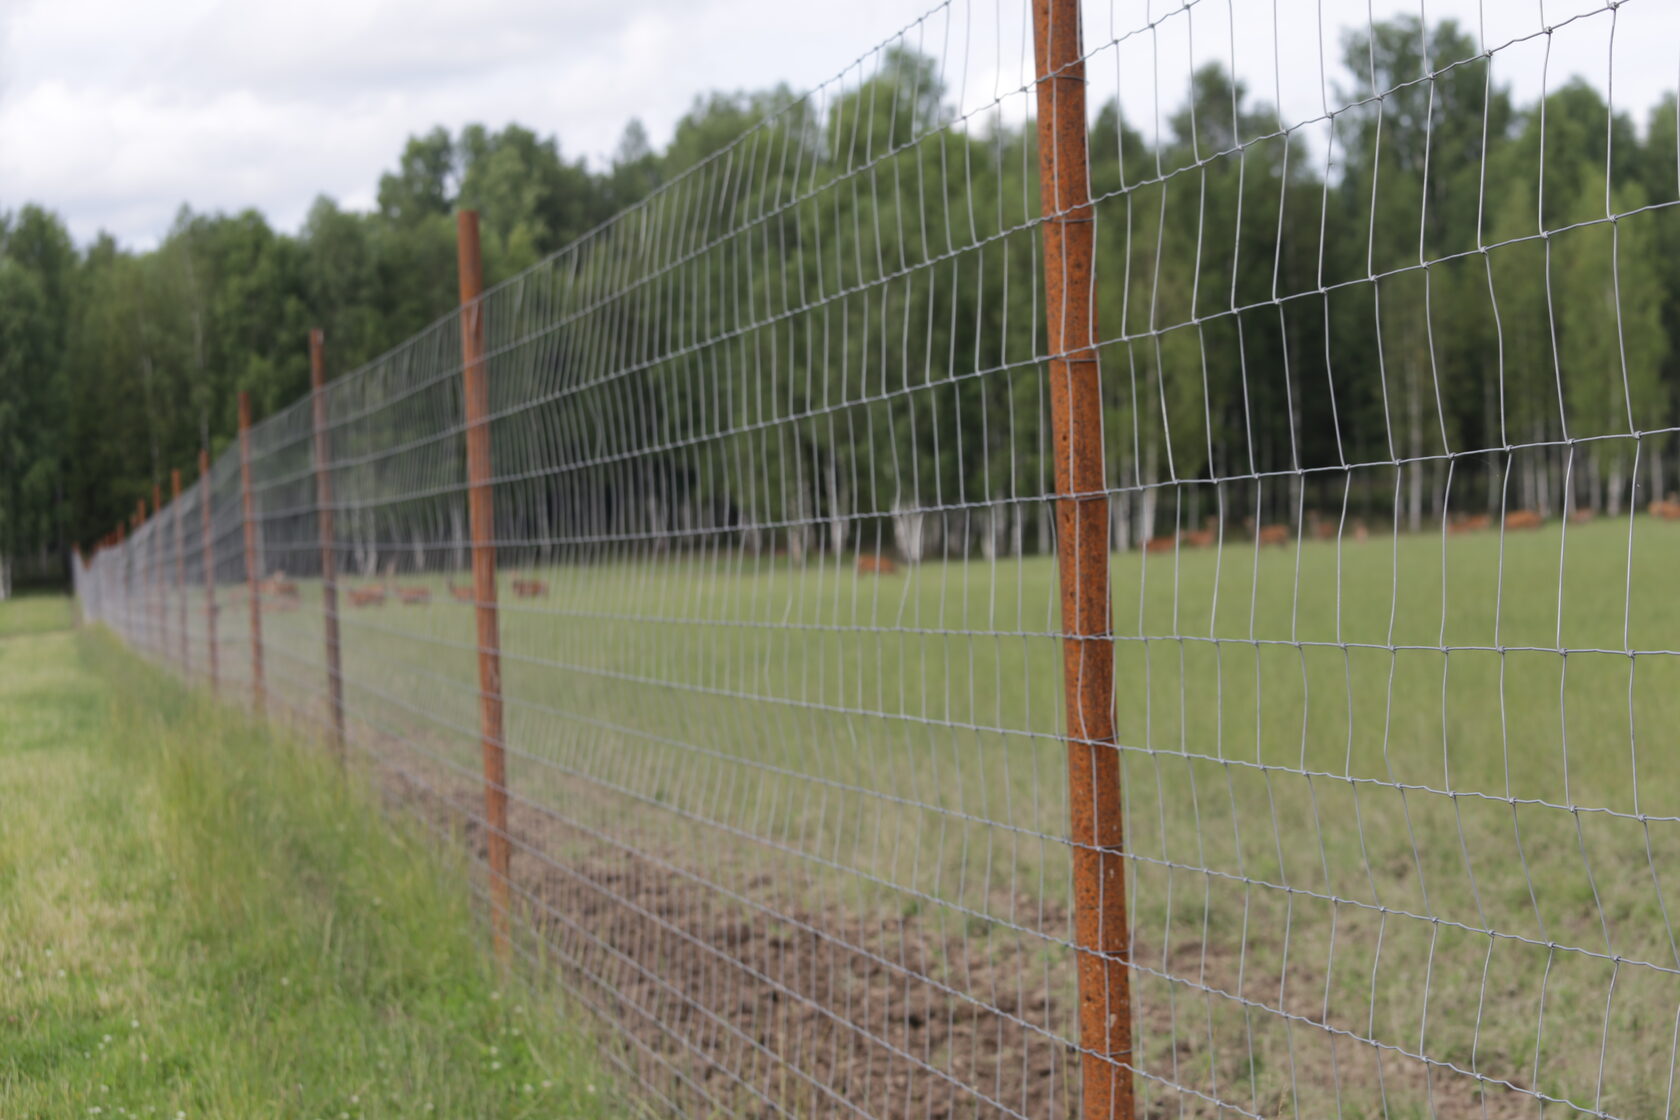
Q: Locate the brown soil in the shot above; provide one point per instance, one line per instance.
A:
(727, 992)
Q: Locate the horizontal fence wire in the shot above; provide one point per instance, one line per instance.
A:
(1386, 441)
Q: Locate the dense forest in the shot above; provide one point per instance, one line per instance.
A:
(1264, 303)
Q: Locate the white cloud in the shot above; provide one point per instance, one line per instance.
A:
(115, 112)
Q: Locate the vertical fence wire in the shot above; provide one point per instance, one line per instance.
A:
(328, 536)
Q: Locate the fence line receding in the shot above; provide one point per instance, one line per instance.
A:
(986, 596)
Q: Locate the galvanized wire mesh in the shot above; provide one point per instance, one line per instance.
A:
(779, 618)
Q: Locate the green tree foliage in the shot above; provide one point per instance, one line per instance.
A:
(1392, 285)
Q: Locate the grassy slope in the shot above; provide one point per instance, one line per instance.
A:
(198, 919)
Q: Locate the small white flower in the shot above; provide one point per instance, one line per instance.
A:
(285, 981)
(134, 1024)
(495, 1065)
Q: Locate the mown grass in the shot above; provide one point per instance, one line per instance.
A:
(35, 614)
(201, 919)
(1415, 789)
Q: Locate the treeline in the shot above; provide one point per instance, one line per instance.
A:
(1433, 271)
(117, 365)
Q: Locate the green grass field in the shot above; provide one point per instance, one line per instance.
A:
(35, 614)
(1365, 787)
(200, 919)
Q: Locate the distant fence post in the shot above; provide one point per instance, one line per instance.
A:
(209, 567)
(252, 564)
(180, 570)
(481, 513)
(324, 518)
(1096, 809)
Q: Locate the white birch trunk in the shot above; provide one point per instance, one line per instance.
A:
(837, 521)
(909, 527)
(457, 537)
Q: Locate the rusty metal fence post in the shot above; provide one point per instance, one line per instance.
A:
(481, 514)
(324, 517)
(209, 568)
(1097, 823)
(180, 573)
(252, 564)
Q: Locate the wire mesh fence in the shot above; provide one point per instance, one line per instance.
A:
(1007, 601)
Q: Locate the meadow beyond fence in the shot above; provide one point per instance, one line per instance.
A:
(1026, 603)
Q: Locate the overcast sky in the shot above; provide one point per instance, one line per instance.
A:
(114, 112)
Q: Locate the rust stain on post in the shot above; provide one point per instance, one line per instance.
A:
(209, 568)
(180, 569)
(1098, 827)
(324, 516)
(252, 573)
(481, 513)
